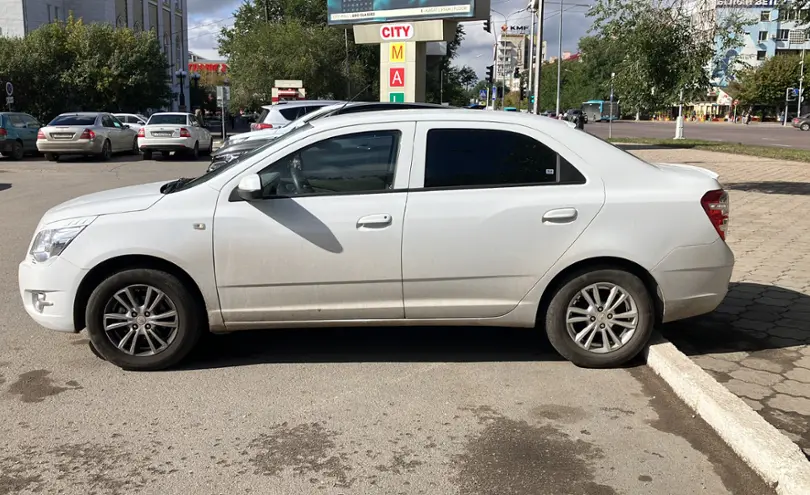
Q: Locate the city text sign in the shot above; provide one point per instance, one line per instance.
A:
(397, 32)
(396, 77)
(746, 3)
(397, 53)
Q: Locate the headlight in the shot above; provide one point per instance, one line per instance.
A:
(55, 237)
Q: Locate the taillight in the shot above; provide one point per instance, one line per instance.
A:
(259, 127)
(716, 205)
(141, 132)
(40, 135)
(3, 132)
(184, 132)
(88, 134)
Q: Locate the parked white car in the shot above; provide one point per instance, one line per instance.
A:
(511, 220)
(177, 132)
(282, 113)
(134, 120)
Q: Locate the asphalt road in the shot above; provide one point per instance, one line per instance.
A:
(753, 134)
(417, 410)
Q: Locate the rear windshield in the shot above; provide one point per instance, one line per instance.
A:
(167, 119)
(74, 120)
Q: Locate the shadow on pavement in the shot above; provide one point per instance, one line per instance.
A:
(776, 187)
(753, 317)
(379, 344)
(3, 186)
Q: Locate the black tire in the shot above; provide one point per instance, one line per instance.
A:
(195, 152)
(95, 351)
(106, 151)
(51, 157)
(805, 127)
(135, 150)
(210, 149)
(557, 330)
(17, 151)
(147, 154)
(189, 322)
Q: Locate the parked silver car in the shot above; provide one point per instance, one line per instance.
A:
(96, 134)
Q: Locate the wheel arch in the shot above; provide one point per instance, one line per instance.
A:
(119, 263)
(602, 262)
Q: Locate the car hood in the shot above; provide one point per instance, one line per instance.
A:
(121, 200)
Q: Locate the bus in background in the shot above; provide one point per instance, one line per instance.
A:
(600, 110)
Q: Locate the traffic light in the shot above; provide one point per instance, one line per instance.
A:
(487, 27)
(531, 99)
(489, 73)
(517, 71)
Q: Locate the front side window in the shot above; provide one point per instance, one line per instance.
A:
(116, 122)
(107, 121)
(467, 158)
(355, 163)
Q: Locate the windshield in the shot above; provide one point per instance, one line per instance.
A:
(167, 119)
(74, 120)
(210, 175)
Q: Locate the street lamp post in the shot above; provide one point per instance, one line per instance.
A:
(801, 81)
(181, 76)
(679, 122)
(610, 117)
(538, 52)
(195, 80)
(559, 57)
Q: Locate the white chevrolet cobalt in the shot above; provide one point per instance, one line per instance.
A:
(404, 217)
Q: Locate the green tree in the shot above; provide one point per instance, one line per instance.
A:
(71, 66)
(766, 85)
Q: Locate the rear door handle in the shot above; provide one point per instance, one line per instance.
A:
(560, 215)
(378, 221)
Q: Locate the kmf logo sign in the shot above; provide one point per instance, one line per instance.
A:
(396, 32)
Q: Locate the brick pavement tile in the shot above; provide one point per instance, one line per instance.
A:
(798, 374)
(758, 377)
(718, 365)
(756, 363)
(749, 390)
(794, 388)
(789, 403)
(753, 404)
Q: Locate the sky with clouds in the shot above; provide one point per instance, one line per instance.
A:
(207, 17)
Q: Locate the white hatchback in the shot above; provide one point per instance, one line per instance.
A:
(176, 132)
(406, 217)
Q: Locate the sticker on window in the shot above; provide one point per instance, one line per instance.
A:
(549, 171)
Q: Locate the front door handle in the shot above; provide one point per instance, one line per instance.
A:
(378, 221)
(560, 215)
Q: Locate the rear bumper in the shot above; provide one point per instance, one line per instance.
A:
(693, 280)
(166, 144)
(80, 147)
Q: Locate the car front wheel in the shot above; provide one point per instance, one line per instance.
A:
(805, 127)
(600, 318)
(143, 319)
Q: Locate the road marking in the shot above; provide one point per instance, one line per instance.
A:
(784, 145)
(768, 139)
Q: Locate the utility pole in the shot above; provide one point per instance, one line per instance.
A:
(348, 76)
(559, 57)
(679, 122)
(610, 117)
(267, 11)
(801, 81)
(539, 51)
(531, 51)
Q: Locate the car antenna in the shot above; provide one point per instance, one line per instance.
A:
(352, 99)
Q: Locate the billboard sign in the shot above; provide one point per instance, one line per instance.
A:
(749, 4)
(373, 11)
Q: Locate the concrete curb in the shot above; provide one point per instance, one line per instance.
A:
(767, 451)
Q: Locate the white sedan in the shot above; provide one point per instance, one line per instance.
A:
(177, 132)
(511, 220)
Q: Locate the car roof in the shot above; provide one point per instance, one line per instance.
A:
(301, 103)
(170, 113)
(83, 114)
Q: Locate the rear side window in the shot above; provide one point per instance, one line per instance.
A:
(16, 121)
(74, 120)
(464, 158)
(263, 115)
(292, 113)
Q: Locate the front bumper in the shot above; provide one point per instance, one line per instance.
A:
(48, 291)
(80, 147)
(693, 280)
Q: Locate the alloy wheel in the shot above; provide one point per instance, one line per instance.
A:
(601, 317)
(140, 320)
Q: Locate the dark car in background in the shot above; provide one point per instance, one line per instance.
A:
(18, 134)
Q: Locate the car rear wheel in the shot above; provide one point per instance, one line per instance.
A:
(600, 318)
(147, 154)
(51, 157)
(805, 126)
(135, 150)
(143, 319)
(17, 151)
(106, 152)
(195, 152)
(210, 149)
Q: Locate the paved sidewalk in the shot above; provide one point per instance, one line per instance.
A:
(757, 343)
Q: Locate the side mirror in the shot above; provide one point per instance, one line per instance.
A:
(141, 122)
(126, 126)
(250, 187)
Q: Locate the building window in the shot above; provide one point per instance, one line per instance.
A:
(50, 19)
(56, 13)
(765, 16)
(761, 55)
(782, 34)
(121, 17)
(763, 36)
(788, 15)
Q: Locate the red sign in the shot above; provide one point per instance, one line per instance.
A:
(202, 67)
(396, 32)
(396, 77)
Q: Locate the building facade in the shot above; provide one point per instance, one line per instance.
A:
(168, 18)
(513, 53)
(767, 35)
